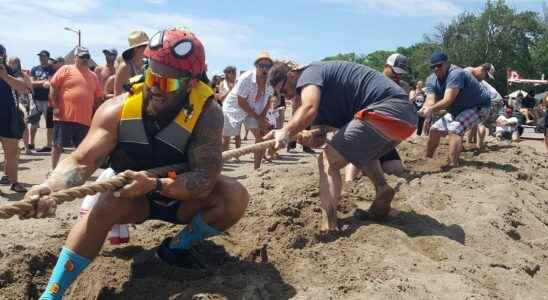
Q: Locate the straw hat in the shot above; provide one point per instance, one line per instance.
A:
(135, 39)
(263, 55)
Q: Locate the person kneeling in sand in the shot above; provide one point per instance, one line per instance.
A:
(373, 115)
(171, 118)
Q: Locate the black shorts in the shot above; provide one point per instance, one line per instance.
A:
(49, 117)
(392, 155)
(68, 134)
(163, 208)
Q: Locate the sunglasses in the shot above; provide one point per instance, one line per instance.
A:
(264, 66)
(433, 67)
(85, 56)
(165, 84)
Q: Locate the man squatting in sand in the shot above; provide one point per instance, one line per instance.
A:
(467, 103)
(373, 115)
(396, 65)
(172, 118)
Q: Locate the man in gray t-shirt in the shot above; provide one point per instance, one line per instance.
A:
(373, 115)
(458, 92)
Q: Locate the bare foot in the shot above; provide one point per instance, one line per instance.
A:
(381, 206)
(329, 221)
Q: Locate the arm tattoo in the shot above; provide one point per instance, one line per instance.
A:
(205, 151)
(73, 177)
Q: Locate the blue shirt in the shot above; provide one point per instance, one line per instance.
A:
(471, 93)
(41, 73)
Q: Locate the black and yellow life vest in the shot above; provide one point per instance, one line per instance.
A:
(137, 151)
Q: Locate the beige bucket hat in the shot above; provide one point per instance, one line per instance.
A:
(263, 55)
(135, 39)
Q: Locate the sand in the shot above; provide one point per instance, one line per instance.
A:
(479, 231)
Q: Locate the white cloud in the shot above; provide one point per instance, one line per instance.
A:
(40, 25)
(56, 7)
(441, 8)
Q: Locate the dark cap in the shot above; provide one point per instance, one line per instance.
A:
(399, 63)
(44, 52)
(110, 51)
(438, 57)
(490, 70)
(229, 69)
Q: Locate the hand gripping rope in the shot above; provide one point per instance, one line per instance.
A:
(23, 207)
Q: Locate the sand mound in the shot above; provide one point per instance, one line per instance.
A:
(474, 232)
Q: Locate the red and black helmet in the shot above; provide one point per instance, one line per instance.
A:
(178, 48)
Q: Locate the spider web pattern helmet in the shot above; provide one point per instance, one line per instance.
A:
(178, 48)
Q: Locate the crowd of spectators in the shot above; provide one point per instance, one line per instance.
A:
(63, 97)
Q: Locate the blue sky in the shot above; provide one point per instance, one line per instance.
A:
(233, 31)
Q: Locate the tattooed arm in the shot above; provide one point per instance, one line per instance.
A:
(205, 158)
(98, 143)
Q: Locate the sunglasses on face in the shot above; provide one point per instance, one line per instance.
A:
(165, 84)
(264, 66)
(85, 56)
(433, 67)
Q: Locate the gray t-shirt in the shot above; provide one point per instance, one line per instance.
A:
(349, 87)
(471, 93)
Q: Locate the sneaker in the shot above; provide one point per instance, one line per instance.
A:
(18, 188)
(183, 258)
(44, 149)
(4, 180)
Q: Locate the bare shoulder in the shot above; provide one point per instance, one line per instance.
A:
(108, 114)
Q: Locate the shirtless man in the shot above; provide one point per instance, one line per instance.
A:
(171, 118)
(107, 70)
(373, 115)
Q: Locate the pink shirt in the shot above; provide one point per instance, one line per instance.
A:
(77, 89)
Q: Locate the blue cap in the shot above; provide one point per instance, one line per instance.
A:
(438, 57)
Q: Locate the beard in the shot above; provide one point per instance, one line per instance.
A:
(163, 108)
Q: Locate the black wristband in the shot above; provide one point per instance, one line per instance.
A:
(158, 187)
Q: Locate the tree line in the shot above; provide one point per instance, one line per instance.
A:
(507, 38)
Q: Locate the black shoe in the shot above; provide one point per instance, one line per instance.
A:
(182, 258)
(44, 149)
(309, 150)
(18, 188)
(4, 180)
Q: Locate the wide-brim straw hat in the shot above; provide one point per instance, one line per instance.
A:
(263, 55)
(136, 39)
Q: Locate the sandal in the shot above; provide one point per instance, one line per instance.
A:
(4, 180)
(18, 188)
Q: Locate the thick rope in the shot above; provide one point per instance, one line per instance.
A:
(27, 205)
